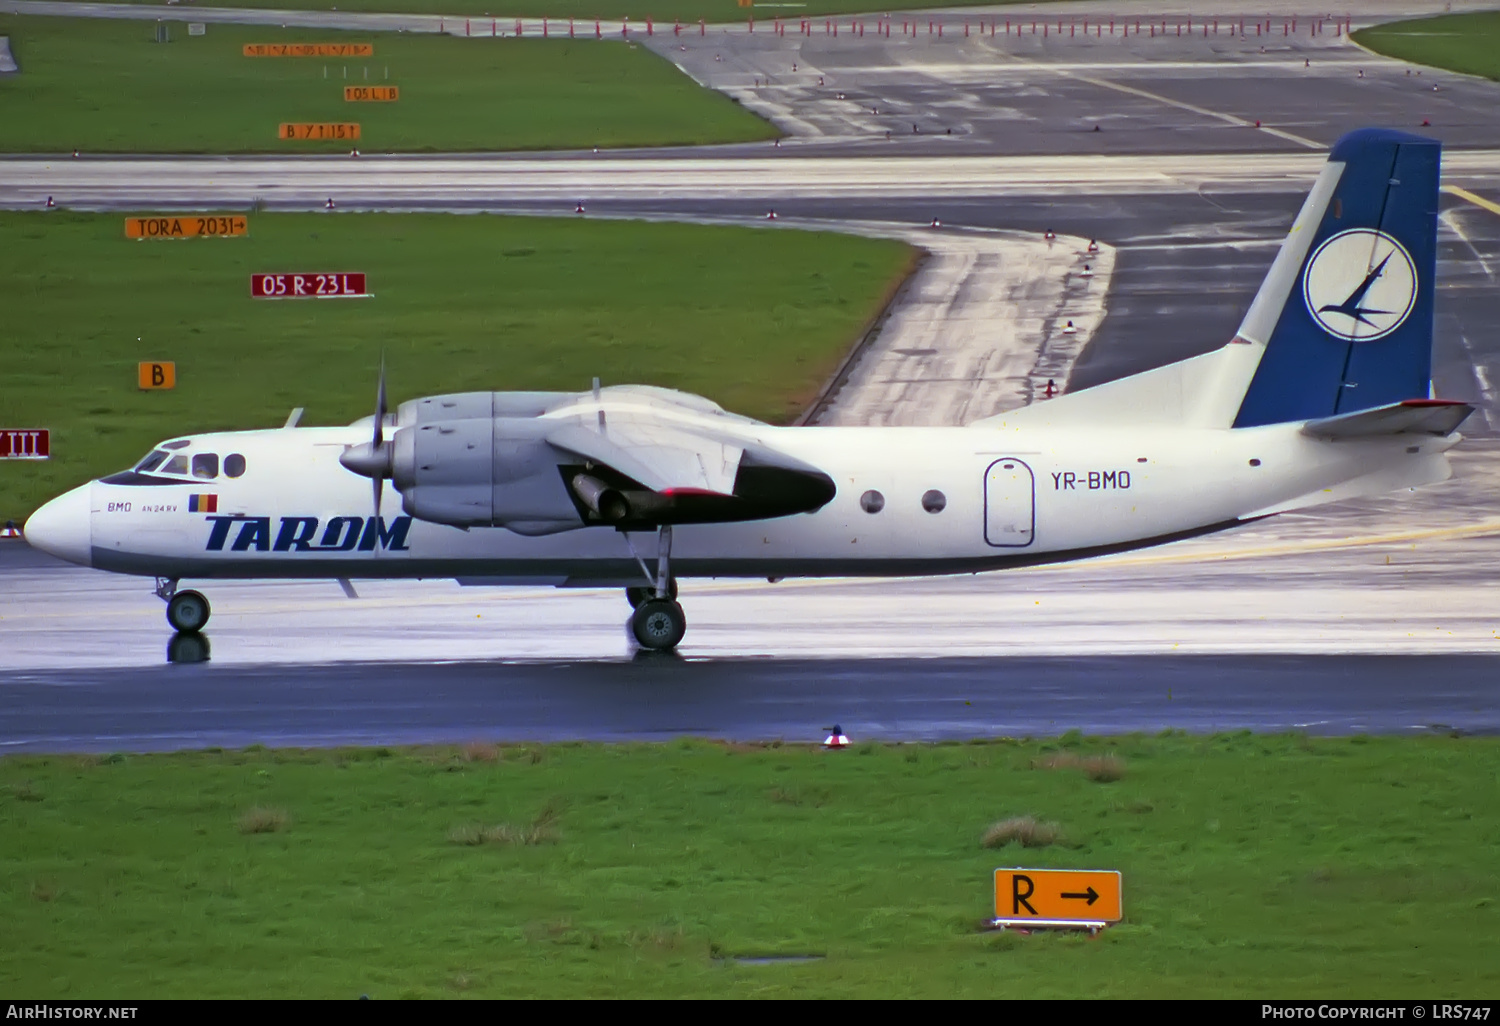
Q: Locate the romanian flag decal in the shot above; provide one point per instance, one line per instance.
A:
(203, 504)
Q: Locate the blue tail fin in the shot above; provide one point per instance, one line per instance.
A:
(1353, 326)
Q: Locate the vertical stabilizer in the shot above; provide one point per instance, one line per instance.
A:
(1345, 314)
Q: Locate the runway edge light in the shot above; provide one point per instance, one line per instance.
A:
(1057, 899)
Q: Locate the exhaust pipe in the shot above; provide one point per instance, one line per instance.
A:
(607, 502)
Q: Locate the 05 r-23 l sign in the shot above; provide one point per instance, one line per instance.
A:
(309, 285)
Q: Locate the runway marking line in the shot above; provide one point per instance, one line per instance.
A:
(1478, 201)
(1180, 104)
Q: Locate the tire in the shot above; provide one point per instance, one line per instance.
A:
(635, 595)
(187, 612)
(658, 625)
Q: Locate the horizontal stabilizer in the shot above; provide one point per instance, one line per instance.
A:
(1436, 417)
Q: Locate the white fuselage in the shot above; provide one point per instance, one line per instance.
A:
(1008, 495)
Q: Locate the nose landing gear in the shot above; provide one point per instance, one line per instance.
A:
(658, 622)
(187, 611)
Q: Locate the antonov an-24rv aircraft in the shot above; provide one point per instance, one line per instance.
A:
(1324, 394)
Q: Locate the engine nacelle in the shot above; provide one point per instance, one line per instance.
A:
(482, 472)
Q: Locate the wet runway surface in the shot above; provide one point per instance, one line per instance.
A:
(792, 700)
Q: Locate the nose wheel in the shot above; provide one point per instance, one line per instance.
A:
(187, 612)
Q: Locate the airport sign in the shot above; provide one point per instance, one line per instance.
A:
(367, 94)
(161, 227)
(315, 130)
(25, 444)
(156, 374)
(1057, 897)
(309, 285)
(309, 50)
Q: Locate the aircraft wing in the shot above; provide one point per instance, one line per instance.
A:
(664, 457)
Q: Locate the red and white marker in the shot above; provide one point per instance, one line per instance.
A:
(836, 738)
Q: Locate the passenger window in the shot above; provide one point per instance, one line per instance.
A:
(151, 462)
(234, 464)
(176, 465)
(206, 465)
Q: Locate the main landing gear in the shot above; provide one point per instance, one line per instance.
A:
(658, 622)
(187, 611)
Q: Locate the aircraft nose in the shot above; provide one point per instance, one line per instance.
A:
(64, 526)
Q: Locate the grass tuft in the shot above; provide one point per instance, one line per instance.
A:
(1099, 768)
(263, 820)
(817, 797)
(1104, 769)
(26, 791)
(1026, 831)
(480, 751)
(541, 830)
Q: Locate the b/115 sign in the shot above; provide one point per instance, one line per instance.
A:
(25, 444)
(327, 285)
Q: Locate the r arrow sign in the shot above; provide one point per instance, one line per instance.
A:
(1057, 897)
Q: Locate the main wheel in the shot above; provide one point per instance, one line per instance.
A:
(637, 594)
(187, 612)
(658, 624)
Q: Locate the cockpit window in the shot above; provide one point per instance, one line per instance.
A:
(151, 462)
(234, 464)
(205, 465)
(176, 465)
(181, 443)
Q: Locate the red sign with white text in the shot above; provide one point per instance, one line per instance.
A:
(325, 285)
(25, 443)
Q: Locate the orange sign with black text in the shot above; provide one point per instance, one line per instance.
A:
(372, 94)
(186, 227)
(1057, 895)
(154, 374)
(315, 130)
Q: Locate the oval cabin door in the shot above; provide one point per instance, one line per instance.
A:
(1009, 504)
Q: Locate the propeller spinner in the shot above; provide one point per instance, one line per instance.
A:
(372, 459)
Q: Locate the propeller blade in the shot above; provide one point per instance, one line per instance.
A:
(379, 442)
(380, 406)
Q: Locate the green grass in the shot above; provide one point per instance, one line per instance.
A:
(1469, 43)
(753, 318)
(689, 11)
(1253, 866)
(104, 86)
